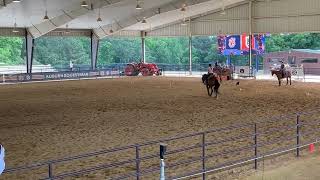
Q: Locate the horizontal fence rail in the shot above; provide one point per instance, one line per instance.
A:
(117, 70)
(248, 143)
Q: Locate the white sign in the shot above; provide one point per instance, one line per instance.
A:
(242, 70)
(2, 164)
(297, 71)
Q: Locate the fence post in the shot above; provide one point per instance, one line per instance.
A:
(255, 147)
(163, 149)
(298, 134)
(137, 162)
(203, 156)
(50, 171)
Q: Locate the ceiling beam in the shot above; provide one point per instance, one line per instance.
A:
(68, 15)
(194, 17)
(194, 7)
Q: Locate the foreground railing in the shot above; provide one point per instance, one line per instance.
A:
(189, 155)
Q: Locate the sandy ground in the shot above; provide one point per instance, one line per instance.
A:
(44, 121)
(305, 168)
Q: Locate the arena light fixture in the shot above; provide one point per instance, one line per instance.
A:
(99, 18)
(46, 16)
(144, 21)
(138, 7)
(184, 23)
(46, 13)
(223, 12)
(84, 4)
(16, 1)
(15, 30)
(67, 29)
(183, 8)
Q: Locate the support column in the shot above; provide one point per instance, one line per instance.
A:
(228, 62)
(143, 46)
(250, 36)
(190, 54)
(257, 63)
(94, 51)
(29, 50)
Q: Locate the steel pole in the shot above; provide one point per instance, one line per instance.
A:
(250, 36)
(162, 165)
(190, 54)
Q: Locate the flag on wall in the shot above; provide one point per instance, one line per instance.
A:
(239, 44)
(245, 42)
(233, 42)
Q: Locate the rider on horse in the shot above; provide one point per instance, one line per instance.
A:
(210, 72)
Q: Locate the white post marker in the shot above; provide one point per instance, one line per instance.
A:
(162, 176)
(2, 164)
(163, 149)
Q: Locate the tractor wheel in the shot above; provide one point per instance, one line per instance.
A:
(130, 70)
(145, 72)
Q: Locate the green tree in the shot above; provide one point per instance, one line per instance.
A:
(11, 51)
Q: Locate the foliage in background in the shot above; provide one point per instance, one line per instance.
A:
(58, 51)
(119, 50)
(11, 51)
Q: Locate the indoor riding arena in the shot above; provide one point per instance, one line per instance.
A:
(120, 89)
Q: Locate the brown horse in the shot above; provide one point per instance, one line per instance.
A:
(212, 84)
(220, 71)
(278, 73)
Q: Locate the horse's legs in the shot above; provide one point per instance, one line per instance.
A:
(279, 82)
(208, 90)
(290, 80)
(216, 92)
(287, 80)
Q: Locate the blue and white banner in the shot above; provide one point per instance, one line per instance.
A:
(233, 42)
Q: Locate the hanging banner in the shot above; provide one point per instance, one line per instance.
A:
(239, 44)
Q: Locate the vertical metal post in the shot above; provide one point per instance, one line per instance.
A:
(29, 49)
(257, 63)
(255, 147)
(250, 36)
(298, 135)
(143, 47)
(190, 54)
(137, 162)
(94, 50)
(50, 171)
(163, 149)
(203, 156)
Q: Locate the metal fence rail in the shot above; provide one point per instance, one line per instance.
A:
(208, 146)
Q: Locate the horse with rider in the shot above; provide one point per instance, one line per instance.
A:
(211, 81)
(282, 73)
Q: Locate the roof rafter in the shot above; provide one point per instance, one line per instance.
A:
(68, 15)
(206, 6)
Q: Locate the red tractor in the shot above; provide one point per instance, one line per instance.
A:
(146, 69)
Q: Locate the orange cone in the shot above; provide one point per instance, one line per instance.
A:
(311, 148)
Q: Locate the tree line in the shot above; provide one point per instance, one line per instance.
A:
(58, 51)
